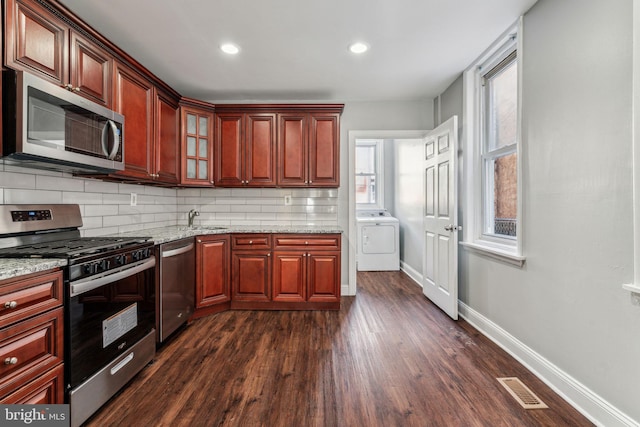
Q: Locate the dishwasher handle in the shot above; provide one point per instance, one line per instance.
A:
(177, 251)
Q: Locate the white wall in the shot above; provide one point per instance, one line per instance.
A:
(409, 202)
(566, 304)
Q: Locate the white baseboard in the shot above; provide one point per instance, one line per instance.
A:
(411, 272)
(592, 406)
(344, 290)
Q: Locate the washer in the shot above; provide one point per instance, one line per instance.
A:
(378, 241)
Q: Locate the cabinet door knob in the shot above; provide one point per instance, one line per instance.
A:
(10, 304)
(310, 182)
(251, 242)
(11, 361)
(199, 241)
(306, 243)
(269, 254)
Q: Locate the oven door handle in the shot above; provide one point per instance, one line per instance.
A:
(81, 286)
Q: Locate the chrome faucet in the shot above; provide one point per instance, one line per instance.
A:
(192, 214)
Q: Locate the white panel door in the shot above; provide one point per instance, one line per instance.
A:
(440, 264)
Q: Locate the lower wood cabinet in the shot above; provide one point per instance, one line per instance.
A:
(31, 339)
(45, 389)
(213, 291)
(251, 270)
(263, 271)
(307, 269)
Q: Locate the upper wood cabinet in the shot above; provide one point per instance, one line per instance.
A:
(278, 145)
(39, 42)
(245, 149)
(308, 150)
(167, 141)
(197, 146)
(133, 98)
(151, 123)
(90, 70)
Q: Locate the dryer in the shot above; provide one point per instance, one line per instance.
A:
(378, 241)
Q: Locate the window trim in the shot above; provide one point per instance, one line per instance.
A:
(508, 249)
(379, 144)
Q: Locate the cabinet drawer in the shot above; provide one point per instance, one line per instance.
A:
(47, 389)
(23, 298)
(251, 241)
(304, 241)
(30, 348)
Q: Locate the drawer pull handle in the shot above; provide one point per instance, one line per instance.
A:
(306, 243)
(10, 304)
(251, 242)
(11, 361)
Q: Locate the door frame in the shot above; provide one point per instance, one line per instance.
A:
(352, 229)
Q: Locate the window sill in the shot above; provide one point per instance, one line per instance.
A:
(495, 253)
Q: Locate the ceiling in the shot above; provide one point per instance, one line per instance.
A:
(297, 50)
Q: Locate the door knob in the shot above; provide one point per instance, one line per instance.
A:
(452, 227)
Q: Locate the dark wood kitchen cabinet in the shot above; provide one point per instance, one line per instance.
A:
(250, 270)
(166, 144)
(307, 269)
(213, 278)
(133, 98)
(39, 42)
(197, 143)
(152, 149)
(308, 149)
(31, 339)
(245, 149)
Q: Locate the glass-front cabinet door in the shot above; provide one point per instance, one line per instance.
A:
(197, 147)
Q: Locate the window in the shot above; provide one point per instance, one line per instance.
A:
(369, 174)
(499, 156)
(491, 96)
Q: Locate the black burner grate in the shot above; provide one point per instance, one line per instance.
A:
(70, 248)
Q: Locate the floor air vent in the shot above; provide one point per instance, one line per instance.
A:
(521, 393)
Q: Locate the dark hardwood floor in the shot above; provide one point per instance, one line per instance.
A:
(388, 358)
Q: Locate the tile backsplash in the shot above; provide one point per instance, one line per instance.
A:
(106, 206)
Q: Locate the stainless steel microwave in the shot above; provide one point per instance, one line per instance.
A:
(46, 126)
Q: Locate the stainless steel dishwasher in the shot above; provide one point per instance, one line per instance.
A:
(176, 285)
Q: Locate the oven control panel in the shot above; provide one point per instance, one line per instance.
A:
(109, 261)
(31, 215)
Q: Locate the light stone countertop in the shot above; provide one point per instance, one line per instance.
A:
(14, 267)
(168, 234)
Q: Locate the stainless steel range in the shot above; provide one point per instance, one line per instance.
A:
(110, 298)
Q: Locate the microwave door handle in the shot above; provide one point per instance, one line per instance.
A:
(110, 125)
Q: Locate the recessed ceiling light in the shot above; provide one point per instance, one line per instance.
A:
(230, 48)
(358, 47)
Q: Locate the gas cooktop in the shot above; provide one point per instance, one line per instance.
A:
(70, 248)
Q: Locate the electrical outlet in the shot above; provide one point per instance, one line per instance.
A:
(134, 199)
(287, 200)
